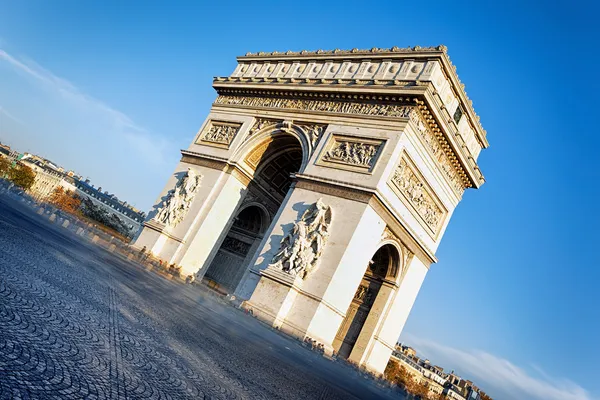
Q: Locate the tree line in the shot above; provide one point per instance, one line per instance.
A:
(21, 175)
(82, 207)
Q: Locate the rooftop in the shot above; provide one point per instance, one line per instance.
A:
(421, 76)
(416, 52)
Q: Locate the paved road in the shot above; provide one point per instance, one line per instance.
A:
(77, 322)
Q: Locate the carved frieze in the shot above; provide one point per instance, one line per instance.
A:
(300, 250)
(433, 144)
(344, 107)
(353, 153)
(220, 133)
(173, 209)
(262, 123)
(434, 141)
(357, 154)
(313, 132)
(412, 187)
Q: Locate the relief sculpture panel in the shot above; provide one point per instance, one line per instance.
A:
(412, 188)
(356, 154)
(220, 133)
(172, 210)
(300, 250)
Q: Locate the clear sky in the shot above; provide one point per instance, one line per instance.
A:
(114, 89)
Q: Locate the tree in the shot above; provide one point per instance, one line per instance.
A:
(101, 215)
(65, 200)
(399, 375)
(421, 390)
(22, 176)
(391, 370)
(4, 166)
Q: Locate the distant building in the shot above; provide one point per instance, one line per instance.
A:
(46, 179)
(409, 351)
(49, 176)
(4, 150)
(438, 381)
(420, 372)
(453, 392)
(132, 217)
(11, 154)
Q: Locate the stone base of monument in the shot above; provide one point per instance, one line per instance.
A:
(272, 304)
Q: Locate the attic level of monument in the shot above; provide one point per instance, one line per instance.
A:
(377, 84)
(377, 57)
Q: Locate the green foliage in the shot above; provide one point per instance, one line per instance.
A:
(21, 175)
(65, 200)
(401, 377)
(4, 166)
(100, 214)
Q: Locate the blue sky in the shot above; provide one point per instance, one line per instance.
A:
(115, 89)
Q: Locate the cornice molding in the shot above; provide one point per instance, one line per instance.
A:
(396, 83)
(339, 52)
(365, 104)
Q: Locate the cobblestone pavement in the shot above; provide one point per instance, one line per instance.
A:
(78, 322)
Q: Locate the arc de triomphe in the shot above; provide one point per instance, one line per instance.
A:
(319, 187)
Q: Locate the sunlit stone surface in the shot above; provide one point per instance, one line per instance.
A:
(385, 141)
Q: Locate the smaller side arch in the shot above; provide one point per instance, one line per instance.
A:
(404, 255)
(265, 215)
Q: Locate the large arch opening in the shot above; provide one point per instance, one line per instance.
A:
(383, 266)
(270, 164)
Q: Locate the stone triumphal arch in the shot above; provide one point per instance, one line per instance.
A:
(319, 187)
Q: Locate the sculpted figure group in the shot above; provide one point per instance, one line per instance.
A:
(178, 201)
(301, 249)
(221, 133)
(415, 192)
(352, 153)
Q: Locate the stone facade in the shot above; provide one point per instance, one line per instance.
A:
(328, 179)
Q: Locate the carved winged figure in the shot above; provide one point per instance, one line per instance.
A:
(300, 250)
(179, 199)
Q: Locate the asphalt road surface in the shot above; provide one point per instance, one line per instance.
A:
(78, 322)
